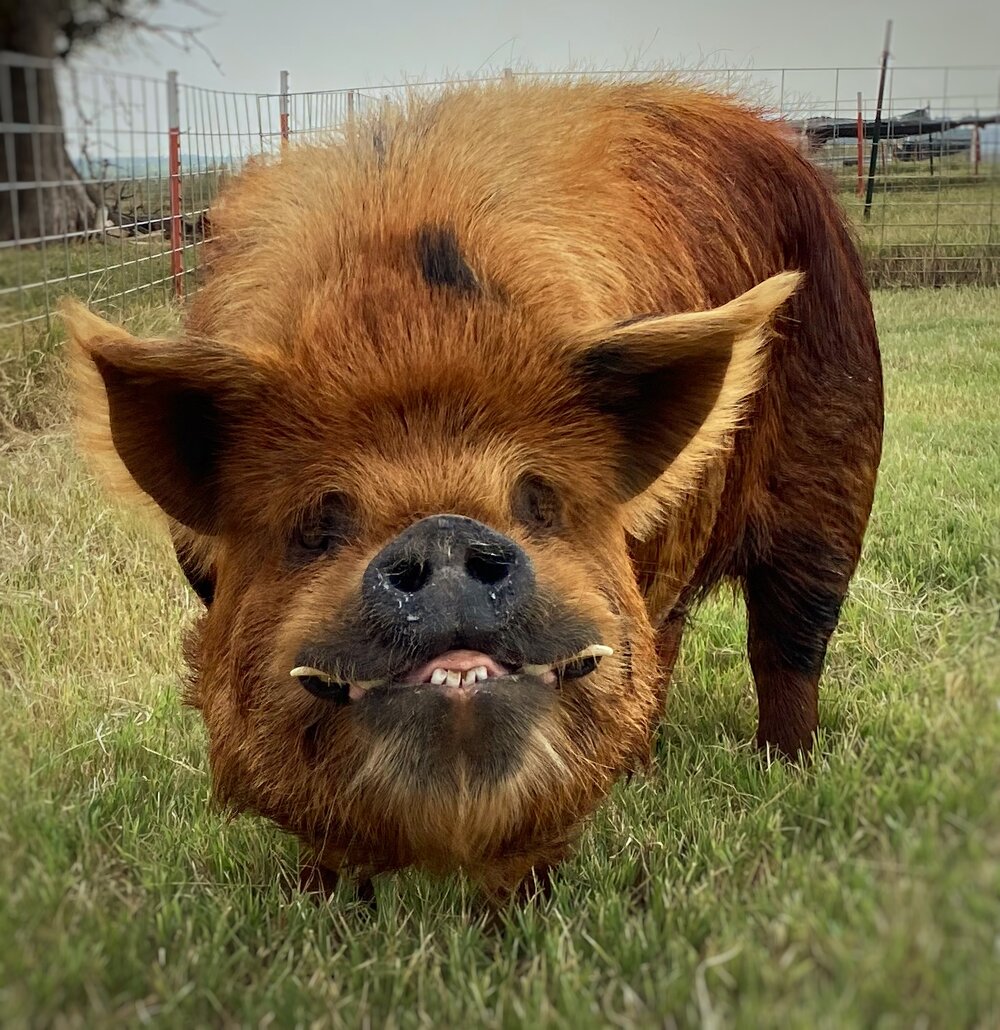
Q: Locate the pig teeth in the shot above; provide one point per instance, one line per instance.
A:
(457, 678)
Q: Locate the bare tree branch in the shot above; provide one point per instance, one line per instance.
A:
(91, 21)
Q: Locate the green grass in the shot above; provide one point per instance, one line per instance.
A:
(719, 891)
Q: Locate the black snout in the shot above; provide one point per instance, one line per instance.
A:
(448, 581)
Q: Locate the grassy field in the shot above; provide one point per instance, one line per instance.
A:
(719, 891)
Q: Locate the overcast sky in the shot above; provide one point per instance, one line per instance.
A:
(330, 44)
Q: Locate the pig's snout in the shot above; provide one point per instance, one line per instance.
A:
(447, 579)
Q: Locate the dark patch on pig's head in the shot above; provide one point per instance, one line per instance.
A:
(441, 260)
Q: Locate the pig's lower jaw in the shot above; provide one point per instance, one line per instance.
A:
(455, 785)
(432, 739)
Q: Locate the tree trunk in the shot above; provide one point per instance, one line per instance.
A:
(48, 198)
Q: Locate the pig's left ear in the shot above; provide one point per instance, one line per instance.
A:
(675, 386)
(157, 414)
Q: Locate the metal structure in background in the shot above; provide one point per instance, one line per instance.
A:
(122, 214)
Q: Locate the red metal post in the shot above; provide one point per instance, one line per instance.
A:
(174, 175)
(859, 189)
(283, 115)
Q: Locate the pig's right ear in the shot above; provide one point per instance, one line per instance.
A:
(673, 388)
(156, 414)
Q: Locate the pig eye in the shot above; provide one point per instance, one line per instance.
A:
(536, 504)
(324, 527)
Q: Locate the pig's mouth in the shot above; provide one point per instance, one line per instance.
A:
(457, 673)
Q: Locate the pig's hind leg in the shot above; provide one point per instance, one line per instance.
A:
(793, 596)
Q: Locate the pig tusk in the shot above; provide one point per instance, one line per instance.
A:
(307, 670)
(536, 670)
(593, 651)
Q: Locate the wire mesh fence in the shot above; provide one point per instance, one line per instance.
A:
(110, 178)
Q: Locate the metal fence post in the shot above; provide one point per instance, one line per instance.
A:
(877, 128)
(174, 174)
(860, 186)
(283, 109)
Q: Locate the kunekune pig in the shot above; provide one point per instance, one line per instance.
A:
(473, 405)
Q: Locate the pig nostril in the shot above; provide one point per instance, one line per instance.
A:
(488, 567)
(409, 574)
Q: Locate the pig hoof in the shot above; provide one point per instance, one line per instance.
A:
(366, 894)
(317, 880)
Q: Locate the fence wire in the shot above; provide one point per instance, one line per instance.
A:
(109, 178)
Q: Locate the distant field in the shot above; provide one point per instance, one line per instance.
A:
(930, 234)
(719, 891)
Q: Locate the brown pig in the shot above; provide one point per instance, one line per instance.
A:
(474, 404)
